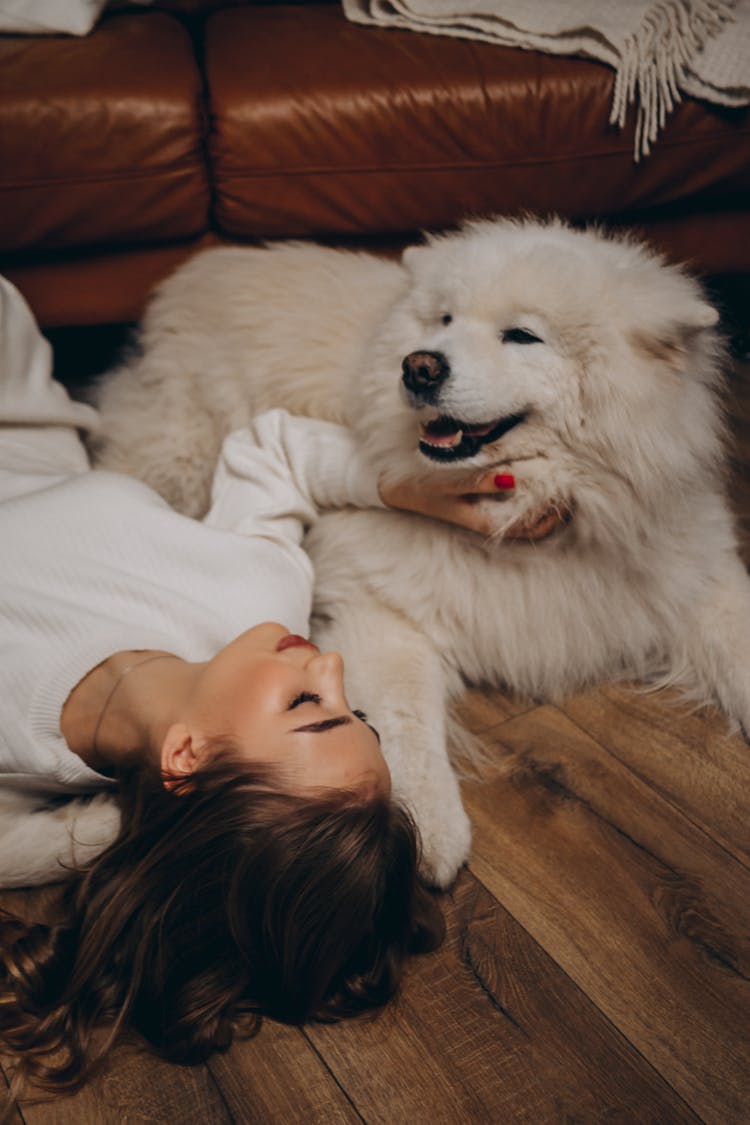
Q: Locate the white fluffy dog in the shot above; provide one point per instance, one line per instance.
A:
(583, 365)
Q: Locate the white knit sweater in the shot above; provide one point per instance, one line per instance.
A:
(94, 562)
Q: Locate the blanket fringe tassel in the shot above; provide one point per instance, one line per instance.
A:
(655, 59)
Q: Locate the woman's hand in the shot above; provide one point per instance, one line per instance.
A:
(451, 500)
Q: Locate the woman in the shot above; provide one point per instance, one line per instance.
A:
(260, 865)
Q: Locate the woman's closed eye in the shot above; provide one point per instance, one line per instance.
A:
(311, 697)
(304, 697)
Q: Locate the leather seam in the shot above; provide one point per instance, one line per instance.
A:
(306, 170)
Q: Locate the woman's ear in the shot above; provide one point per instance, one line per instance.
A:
(179, 756)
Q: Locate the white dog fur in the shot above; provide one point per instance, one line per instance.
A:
(43, 839)
(623, 425)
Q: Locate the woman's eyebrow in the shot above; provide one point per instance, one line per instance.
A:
(322, 724)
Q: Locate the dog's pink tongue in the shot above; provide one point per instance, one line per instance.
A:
(442, 432)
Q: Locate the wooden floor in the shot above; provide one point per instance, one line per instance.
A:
(598, 959)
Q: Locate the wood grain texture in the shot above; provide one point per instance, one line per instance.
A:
(135, 1087)
(482, 710)
(279, 1076)
(689, 758)
(646, 913)
(9, 1114)
(489, 1029)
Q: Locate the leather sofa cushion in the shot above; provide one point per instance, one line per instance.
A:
(320, 127)
(100, 137)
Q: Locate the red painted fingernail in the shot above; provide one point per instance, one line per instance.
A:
(505, 480)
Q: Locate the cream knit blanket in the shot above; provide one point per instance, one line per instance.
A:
(659, 49)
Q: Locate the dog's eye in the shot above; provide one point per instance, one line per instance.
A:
(446, 319)
(520, 336)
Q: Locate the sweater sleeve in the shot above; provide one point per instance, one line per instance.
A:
(39, 442)
(274, 477)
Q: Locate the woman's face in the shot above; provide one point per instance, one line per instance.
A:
(281, 700)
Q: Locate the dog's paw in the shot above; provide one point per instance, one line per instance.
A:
(446, 844)
(433, 798)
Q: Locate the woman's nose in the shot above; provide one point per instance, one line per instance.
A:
(328, 670)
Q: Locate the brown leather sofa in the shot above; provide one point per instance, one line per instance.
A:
(189, 122)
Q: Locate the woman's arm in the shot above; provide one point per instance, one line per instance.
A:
(39, 442)
(274, 478)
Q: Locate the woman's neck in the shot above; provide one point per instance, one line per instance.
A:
(119, 713)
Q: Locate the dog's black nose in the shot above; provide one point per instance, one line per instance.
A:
(425, 373)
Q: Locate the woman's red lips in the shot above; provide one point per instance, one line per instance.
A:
(292, 640)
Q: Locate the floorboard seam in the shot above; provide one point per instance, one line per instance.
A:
(615, 1030)
(509, 719)
(11, 1105)
(324, 1062)
(220, 1092)
(668, 800)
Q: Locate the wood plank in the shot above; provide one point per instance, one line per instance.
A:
(278, 1077)
(689, 758)
(9, 1115)
(489, 1030)
(648, 916)
(482, 709)
(135, 1087)
(472, 718)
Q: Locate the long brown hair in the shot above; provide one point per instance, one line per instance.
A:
(222, 900)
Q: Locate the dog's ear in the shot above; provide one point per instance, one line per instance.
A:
(412, 256)
(671, 340)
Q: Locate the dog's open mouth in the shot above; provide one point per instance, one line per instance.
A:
(448, 439)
